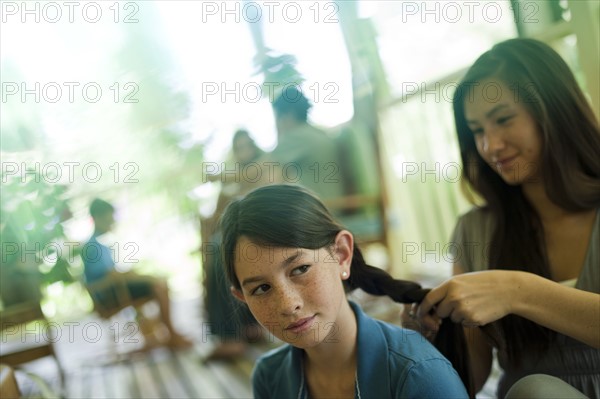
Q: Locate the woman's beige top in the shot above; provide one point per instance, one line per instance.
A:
(576, 363)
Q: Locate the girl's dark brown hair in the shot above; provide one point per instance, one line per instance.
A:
(570, 166)
(289, 216)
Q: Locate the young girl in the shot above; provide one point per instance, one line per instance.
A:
(290, 262)
(530, 147)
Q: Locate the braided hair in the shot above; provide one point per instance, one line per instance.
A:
(290, 216)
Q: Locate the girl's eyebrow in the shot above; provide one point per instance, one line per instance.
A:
(286, 262)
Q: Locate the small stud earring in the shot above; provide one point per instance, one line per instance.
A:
(344, 274)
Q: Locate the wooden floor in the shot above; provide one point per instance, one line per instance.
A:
(159, 373)
(92, 372)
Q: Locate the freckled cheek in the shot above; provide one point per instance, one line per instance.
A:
(323, 296)
(263, 312)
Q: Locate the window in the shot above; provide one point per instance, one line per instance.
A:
(425, 48)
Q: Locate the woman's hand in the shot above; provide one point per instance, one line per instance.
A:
(479, 298)
(410, 321)
(473, 299)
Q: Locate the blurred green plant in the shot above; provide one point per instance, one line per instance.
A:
(151, 134)
(32, 210)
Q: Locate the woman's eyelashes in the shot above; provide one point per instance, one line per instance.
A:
(477, 131)
(502, 121)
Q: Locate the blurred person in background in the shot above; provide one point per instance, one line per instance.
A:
(305, 154)
(99, 265)
(232, 324)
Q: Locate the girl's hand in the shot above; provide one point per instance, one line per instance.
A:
(473, 299)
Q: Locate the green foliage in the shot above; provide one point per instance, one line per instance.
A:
(144, 148)
(32, 210)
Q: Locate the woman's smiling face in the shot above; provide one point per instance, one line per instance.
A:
(505, 133)
(295, 293)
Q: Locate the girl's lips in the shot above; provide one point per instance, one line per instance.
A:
(301, 325)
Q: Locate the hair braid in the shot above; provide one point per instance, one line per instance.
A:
(377, 282)
(450, 339)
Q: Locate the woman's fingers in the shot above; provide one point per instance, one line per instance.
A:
(430, 322)
(434, 296)
(427, 326)
(406, 316)
(471, 299)
(427, 312)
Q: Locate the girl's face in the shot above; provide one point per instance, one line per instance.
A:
(505, 133)
(295, 293)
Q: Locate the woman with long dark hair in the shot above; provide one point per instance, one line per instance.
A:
(291, 263)
(530, 147)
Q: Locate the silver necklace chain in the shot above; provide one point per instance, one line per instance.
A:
(302, 384)
(356, 383)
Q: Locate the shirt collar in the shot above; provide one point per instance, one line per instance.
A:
(372, 358)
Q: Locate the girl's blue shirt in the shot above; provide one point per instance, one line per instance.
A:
(393, 362)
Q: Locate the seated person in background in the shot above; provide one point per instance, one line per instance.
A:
(232, 324)
(244, 152)
(99, 264)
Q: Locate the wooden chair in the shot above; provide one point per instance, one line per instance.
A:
(362, 209)
(14, 352)
(116, 287)
(8, 384)
(119, 300)
(361, 214)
